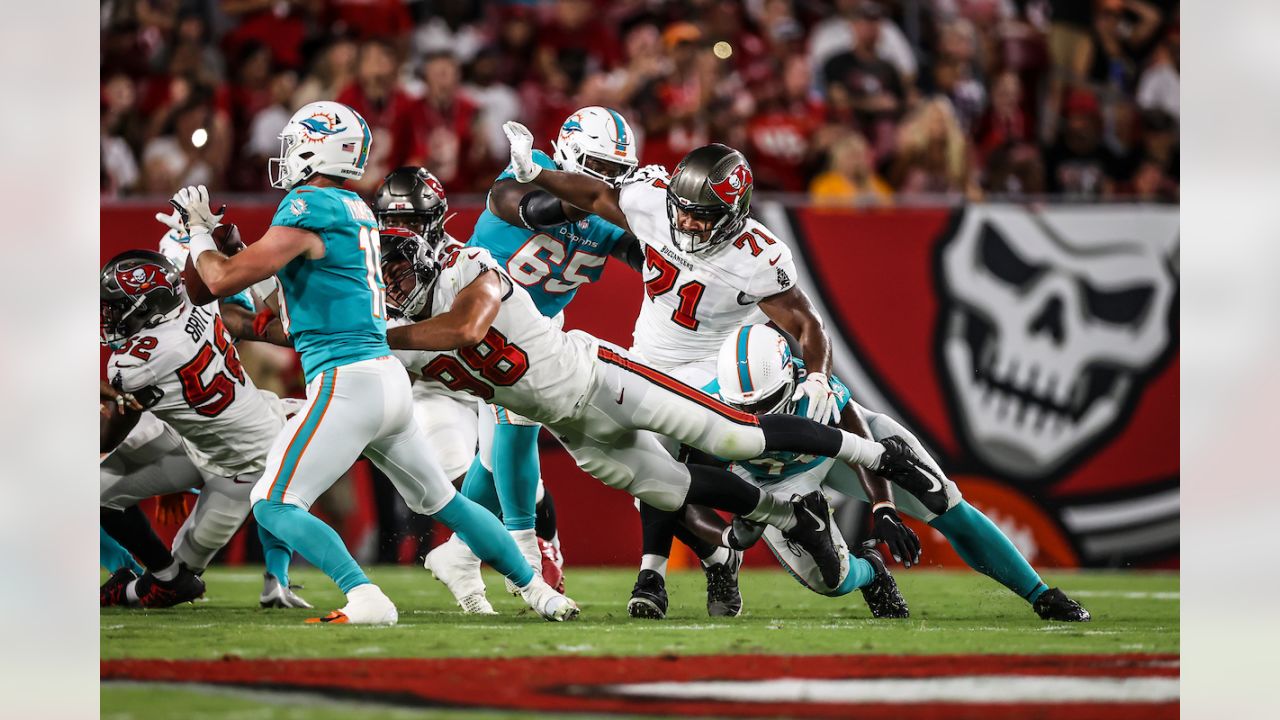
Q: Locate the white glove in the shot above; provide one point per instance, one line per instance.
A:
(173, 221)
(192, 204)
(822, 400)
(522, 164)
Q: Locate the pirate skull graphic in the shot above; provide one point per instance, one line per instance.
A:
(1052, 321)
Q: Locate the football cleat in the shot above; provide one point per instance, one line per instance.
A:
(648, 597)
(1053, 604)
(723, 597)
(744, 533)
(812, 532)
(548, 603)
(366, 605)
(900, 465)
(453, 564)
(552, 564)
(277, 595)
(155, 593)
(881, 594)
(114, 590)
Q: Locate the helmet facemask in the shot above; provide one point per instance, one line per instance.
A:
(725, 223)
(410, 269)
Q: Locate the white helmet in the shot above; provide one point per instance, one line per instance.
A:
(599, 142)
(323, 137)
(756, 371)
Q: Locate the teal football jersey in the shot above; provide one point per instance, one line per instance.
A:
(334, 307)
(550, 264)
(776, 466)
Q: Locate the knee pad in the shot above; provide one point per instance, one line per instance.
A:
(737, 442)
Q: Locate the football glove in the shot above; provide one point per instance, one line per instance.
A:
(822, 399)
(192, 205)
(173, 221)
(902, 541)
(522, 164)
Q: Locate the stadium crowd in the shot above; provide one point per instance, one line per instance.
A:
(851, 101)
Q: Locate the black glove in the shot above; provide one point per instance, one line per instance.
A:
(888, 528)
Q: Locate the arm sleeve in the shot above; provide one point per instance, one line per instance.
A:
(130, 375)
(540, 210)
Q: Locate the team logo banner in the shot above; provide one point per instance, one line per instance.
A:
(1034, 350)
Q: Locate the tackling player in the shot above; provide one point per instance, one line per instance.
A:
(323, 247)
(714, 268)
(550, 261)
(483, 334)
(757, 373)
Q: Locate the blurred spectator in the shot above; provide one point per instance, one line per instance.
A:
(837, 35)
(1014, 170)
(389, 112)
(1121, 29)
(1005, 121)
(850, 178)
(933, 154)
(497, 102)
(868, 87)
(451, 25)
(957, 73)
(1079, 164)
(191, 149)
(264, 130)
(447, 127)
(1158, 87)
(782, 134)
(279, 24)
(331, 73)
(577, 26)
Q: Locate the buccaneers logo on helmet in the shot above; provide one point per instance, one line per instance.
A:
(142, 279)
(734, 185)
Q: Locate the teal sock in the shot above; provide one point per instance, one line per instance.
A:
(277, 555)
(861, 573)
(484, 534)
(478, 487)
(313, 539)
(981, 544)
(112, 555)
(515, 473)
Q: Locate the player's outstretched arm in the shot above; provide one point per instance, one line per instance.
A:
(583, 192)
(529, 207)
(465, 323)
(226, 276)
(243, 325)
(886, 526)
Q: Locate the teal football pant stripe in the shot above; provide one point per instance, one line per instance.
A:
(276, 554)
(112, 555)
(478, 487)
(313, 539)
(986, 549)
(486, 537)
(515, 473)
(303, 437)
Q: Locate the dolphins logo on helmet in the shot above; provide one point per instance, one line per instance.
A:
(320, 126)
(141, 279)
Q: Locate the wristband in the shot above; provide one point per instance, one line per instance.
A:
(883, 504)
(201, 241)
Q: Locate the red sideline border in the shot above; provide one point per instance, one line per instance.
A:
(577, 684)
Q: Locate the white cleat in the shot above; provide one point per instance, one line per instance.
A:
(366, 605)
(548, 603)
(527, 541)
(276, 595)
(453, 564)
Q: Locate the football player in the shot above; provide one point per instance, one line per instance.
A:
(710, 268)
(482, 333)
(323, 248)
(758, 373)
(207, 427)
(550, 261)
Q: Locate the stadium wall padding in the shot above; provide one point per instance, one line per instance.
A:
(1033, 349)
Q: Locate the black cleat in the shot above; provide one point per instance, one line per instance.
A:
(153, 593)
(648, 597)
(744, 533)
(812, 533)
(113, 590)
(723, 598)
(900, 465)
(1053, 604)
(882, 594)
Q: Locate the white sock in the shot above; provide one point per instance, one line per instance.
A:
(131, 592)
(168, 573)
(527, 541)
(656, 563)
(718, 556)
(860, 451)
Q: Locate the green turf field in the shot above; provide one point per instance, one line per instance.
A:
(951, 612)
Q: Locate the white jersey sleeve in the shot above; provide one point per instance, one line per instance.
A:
(644, 202)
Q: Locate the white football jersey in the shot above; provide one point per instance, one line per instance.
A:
(227, 423)
(525, 363)
(693, 301)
